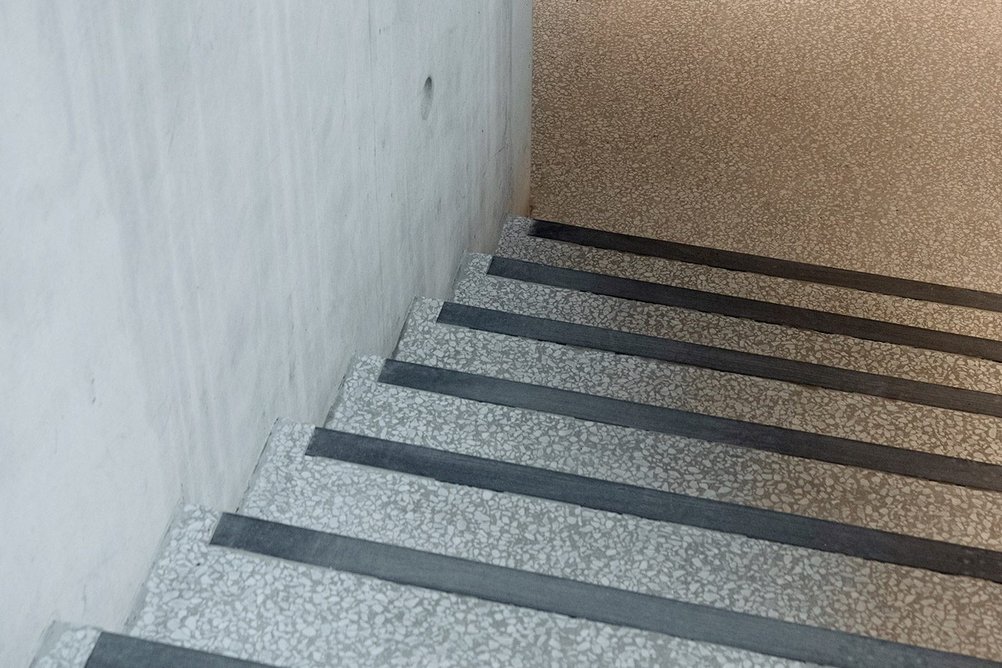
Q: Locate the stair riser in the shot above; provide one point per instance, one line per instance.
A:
(288, 613)
(720, 359)
(476, 288)
(838, 414)
(580, 600)
(815, 320)
(669, 463)
(516, 243)
(683, 563)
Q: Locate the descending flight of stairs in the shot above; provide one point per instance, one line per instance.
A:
(615, 451)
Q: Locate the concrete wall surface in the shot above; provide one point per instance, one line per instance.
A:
(206, 208)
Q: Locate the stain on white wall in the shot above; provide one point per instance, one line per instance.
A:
(209, 206)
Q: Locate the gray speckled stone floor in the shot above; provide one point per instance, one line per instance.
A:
(669, 463)
(857, 134)
(69, 649)
(679, 562)
(476, 288)
(517, 244)
(289, 614)
(842, 414)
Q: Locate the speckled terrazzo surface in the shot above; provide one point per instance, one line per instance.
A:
(764, 401)
(516, 243)
(288, 614)
(679, 562)
(669, 463)
(856, 134)
(476, 288)
(70, 649)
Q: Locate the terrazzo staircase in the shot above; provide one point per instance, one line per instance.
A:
(614, 451)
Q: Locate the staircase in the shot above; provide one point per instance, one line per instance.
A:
(613, 451)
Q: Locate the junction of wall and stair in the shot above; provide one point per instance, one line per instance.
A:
(738, 403)
(588, 456)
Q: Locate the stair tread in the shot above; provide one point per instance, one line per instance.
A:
(679, 562)
(769, 266)
(580, 600)
(719, 359)
(825, 321)
(516, 242)
(757, 400)
(288, 613)
(92, 648)
(67, 647)
(669, 463)
(476, 288)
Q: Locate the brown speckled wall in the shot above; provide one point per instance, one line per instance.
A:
(861, 134)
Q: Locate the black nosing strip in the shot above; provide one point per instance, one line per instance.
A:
(652, 504)
(721, 359)
(118, 651)
(806, 445)
(405, 566)
(751, 309)
(768, 266)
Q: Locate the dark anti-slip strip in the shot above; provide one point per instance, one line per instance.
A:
(117, 651)
(758, 264)
(739, 307)
(912, 463)
(721, 359)
(546, 593)
(652, 504)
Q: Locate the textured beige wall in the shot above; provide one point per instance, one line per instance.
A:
(863, 134)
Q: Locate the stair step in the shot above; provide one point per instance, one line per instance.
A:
(518, 242)
(289, 611)
(643, 382)
(692, 567)
(773, 313)
(664, 462)
(836, 450)
(66, 647)
(90, 648)
(768, 266)
(604, 495)
(719, 359)
(616, 450)
(476, 288)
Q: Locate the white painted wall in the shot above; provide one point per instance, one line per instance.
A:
(207, 207)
